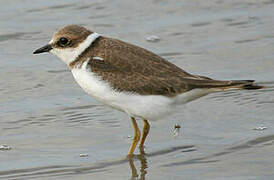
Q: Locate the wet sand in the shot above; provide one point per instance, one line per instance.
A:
(56, 131)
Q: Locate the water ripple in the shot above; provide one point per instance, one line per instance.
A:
(200, 24)
(17, 35)
(62, 170)
(259, 142)
(248, 96)
(51, 8)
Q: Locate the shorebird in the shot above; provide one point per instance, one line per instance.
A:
(129, 78)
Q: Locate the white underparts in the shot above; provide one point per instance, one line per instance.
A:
(68, 55)
(147, 107)
(150, 107)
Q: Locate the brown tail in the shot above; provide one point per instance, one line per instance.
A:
(243, 84)
(218, 85)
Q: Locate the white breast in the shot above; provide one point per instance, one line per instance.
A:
(148, 107)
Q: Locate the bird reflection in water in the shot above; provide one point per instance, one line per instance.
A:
(143, 160)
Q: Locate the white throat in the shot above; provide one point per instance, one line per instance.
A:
(68, 55)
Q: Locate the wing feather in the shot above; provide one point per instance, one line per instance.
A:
(133, 69)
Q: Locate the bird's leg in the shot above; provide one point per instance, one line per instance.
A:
(136, 137)
(145, 133)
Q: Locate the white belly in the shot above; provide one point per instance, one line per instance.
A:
(150, 107)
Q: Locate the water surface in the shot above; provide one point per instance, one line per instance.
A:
(56, 131)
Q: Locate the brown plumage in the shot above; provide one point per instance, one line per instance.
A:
(133, 69)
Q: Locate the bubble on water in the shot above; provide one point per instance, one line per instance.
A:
(4, 147)
(260, 128)
(83, 155)
(153, 38)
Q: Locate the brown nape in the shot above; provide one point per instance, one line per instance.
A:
(74, 33)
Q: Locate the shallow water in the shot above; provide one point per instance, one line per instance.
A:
(56, 131)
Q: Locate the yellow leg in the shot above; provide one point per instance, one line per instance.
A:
(136, 137)
(145, 133)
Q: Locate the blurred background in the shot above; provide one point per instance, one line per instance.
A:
(51, 129)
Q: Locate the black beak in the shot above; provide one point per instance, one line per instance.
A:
(45, 48)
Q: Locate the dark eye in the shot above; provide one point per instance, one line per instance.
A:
(63, 41)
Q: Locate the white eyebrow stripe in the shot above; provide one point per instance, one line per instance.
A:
(51, 41)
